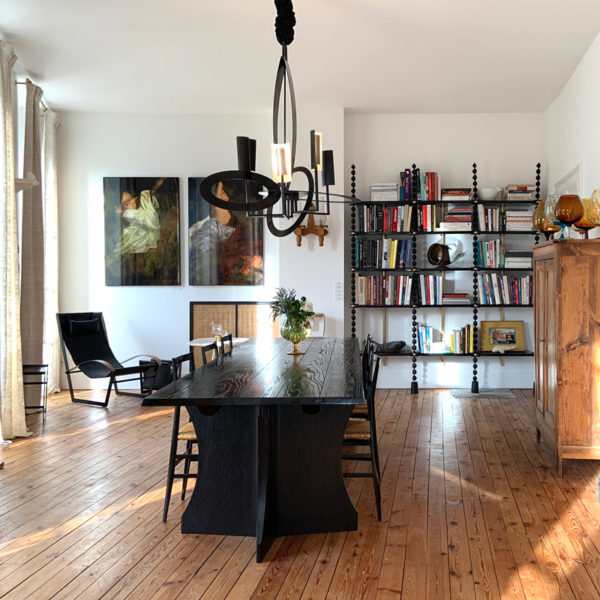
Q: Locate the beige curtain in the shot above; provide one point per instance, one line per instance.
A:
(51, 343)
(32, 244)
(12, 406)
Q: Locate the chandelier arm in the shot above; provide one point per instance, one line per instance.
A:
(283, 232)
(207, 183)
(284, 72)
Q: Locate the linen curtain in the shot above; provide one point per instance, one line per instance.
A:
(51, 352)
(32, 244)
(12, 404)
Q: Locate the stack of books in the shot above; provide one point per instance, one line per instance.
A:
(424, 338)
(458, 218)
(384, 290)
(456, 194)
(494, 288)
(384, 192)
(456, 298)
(393, 219)
(520, 192)
(430, 289)
(519, 219)
(518, 260)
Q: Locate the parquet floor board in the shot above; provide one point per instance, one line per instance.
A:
(471, 510)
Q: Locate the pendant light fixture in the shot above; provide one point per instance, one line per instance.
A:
(261, 192)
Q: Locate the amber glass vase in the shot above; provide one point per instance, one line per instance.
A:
(541, 223)
(569, 209)
(591, 217)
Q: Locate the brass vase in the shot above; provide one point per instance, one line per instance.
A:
(295, 332)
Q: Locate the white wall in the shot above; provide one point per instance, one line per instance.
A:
(506, 148)
(572, 124)
(156, 319)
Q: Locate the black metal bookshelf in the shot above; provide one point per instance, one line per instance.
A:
(415, 233)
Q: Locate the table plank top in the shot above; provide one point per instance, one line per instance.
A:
(261, 372)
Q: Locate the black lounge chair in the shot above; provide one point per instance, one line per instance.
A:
(84, 336)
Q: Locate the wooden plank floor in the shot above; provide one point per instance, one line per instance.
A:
(472, 509)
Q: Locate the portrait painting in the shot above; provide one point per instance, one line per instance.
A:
(225, 247)
(141, 231)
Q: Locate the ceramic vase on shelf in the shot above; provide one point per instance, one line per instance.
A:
(591, 217)
(294, 331)
(569, 209)
(541, 223)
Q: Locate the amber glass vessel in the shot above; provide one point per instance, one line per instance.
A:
(591, 217)
(569, 209)
(541, 223)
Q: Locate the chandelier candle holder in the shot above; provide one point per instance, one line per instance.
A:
(261, 192)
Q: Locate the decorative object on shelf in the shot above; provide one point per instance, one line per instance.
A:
(311, 229)
(550, 212)
(569, 209)
(591, 217)
(541, 223)
(224, 247)
(488, 194)
(293, 322)
(389, 347)
(502, 336)
(262, 193)
(141, 230)
(442, 255)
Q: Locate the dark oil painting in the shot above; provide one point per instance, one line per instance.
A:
(225, 247)
(141, 230)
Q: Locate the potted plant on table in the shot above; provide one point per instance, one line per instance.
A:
(293, 317)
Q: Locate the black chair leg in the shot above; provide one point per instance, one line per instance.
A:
(186, 467)
(171, 469)
(376, 477)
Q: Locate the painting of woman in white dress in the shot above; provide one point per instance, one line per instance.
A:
(141, 216)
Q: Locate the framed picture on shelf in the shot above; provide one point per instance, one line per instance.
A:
(502, 336)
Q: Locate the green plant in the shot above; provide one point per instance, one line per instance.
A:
(285, 303)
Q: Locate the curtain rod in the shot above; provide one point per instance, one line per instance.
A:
(25, 83)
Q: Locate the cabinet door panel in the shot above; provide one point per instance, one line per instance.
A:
(540, 270)
(550, 345)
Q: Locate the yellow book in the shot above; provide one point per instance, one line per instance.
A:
(471, 338)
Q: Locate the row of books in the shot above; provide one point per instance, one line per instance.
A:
(388, 290)
(490, 254)
(382, 253)
(430, 287)
(489, 218)
(428, 188)
(494, 288)
(458, 341)
(394, 219)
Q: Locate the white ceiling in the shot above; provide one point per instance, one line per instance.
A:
(204, 56)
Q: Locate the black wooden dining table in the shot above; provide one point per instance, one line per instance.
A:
(270, 429)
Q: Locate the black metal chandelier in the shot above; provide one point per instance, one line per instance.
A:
(262, 192)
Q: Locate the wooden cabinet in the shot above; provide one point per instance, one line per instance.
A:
(567, 347)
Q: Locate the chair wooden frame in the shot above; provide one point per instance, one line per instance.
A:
(176, 435)
(226, 339)
(96, 360)
(364, 433)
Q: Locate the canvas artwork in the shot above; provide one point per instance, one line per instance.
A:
(141, 230)
(225, 247)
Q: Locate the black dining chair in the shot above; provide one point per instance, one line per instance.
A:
(83, 337)
(226, 344)
(186, 434)
(363, 432)
(361, 411)
(206, 351)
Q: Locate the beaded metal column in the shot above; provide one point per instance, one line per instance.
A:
(414, 386)
(353, 252)
(537, 196)
(475, 383)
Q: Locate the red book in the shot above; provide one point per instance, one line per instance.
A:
(386, 219)
(395, 218)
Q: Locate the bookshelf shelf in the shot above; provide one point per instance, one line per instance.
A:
(382, 228)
